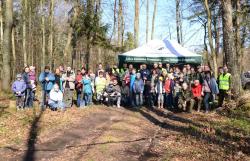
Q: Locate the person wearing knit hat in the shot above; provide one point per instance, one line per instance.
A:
(19, 87)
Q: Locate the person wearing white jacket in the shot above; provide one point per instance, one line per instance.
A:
(56, 98)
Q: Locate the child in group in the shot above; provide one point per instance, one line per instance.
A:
(87, 89)
(32, 76)
(19, 87)
(160, 92)
(138, 88)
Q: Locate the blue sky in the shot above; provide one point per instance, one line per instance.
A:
(165, 21)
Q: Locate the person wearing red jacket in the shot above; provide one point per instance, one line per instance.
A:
(79, 87)
(169, 89)
(197, 93)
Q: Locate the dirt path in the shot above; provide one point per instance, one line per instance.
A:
(120, 134)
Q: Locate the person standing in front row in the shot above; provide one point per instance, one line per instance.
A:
(224, 81)
(47, 79)
(68, 79)
(159, 90)
(19, 87)
(138, 89)
(210, 89)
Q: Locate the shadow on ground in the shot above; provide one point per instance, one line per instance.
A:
(195, 130)
(33, 133)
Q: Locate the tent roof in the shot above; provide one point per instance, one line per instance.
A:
(160, 48)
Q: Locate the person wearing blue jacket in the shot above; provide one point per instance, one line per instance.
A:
(87, 89)
(46, 79)
(138, 88)
(131, 84)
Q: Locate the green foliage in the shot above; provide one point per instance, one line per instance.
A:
(88, 25)
(129, 42)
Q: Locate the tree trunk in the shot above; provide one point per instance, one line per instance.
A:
(51, 34)
(1, 22)
(229, 46)
(178, 21)
(239, 52)
(13, 52)
(136, 23)
(7, 44)
(123, 29)
(24, 12)
(153, 20)
(43, 36)
(113, 36)
(210, 38)
(147, 20)
(119, 27)
(30, 44)
(68, 46)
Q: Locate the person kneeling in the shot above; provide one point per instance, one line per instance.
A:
(56, 99)
(112, 93)
(185, 99)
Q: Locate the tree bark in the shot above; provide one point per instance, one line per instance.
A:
(147, 20)
(1, 22)
(229, 46)
(239, 52)
(114, 24)
(7, 44)
(68, 46)
(153, 20)
(51, 34)
(136, 23)
(119, 23)
(13, 52)
(24, 13)
(43, 36)
(178, 21)
(210, 38)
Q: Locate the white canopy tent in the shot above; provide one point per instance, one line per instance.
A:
(165, 51)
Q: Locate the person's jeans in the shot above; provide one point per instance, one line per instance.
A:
(20, 101)
(207, 96)
(88, 98)
(139, 99)
(68, 97)
(29, 97)
(56, 105)
(80, 101)
(222, 95)
(169, 100)
(132, 99)
(45, 96)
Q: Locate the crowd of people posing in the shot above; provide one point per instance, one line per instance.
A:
(164, 86)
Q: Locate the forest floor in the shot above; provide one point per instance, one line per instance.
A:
(100, 133)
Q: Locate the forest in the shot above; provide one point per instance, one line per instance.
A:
(33, 32)
(88, 35)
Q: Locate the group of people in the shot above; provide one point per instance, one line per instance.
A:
(180, 88)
